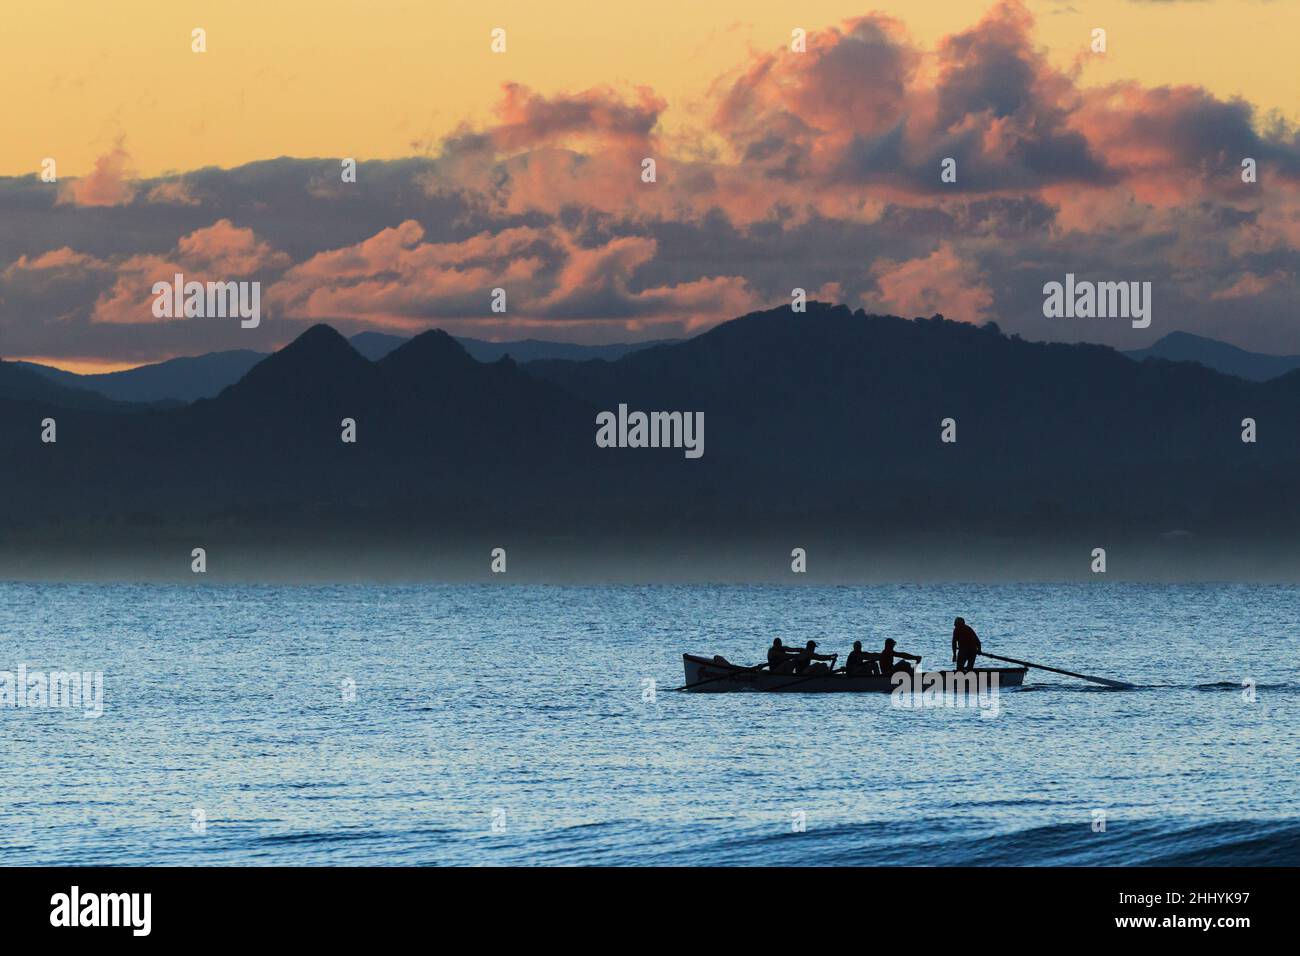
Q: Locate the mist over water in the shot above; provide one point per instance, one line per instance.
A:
(523, 706)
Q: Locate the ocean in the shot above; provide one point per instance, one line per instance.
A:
(484, 725)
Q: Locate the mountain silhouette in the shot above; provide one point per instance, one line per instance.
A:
(532, 350)
(839, 413)
(190, 378)
(317, 372)
(175, 380)
(820, 425)
(375, 345)
(1220, 356)
(439, 438)
(434, 348)
(19, 382)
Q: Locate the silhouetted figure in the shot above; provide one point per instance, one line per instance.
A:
(861, 663)
(781, 659)
(888, 665)
(965, 644)
(803, 663)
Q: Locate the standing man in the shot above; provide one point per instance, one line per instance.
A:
(965, 644)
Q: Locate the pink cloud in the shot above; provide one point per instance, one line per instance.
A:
(107, 185)
(1250, 284)
(174, 192)
(941, 282)
(861, 120)
(845, 139)
(221, 252)
(529, 120)
(62, 259)
(228, 250)
(397, 279)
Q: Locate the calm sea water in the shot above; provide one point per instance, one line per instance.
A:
(508, 725)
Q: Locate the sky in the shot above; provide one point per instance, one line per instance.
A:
(523, 169)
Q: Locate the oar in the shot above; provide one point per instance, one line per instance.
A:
(807, 677)
(800, 680)
(700, 683)
(1105, 681)
(838, 670)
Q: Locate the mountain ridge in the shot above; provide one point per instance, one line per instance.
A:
(822, 426)
(1180, 346)
(189, 378)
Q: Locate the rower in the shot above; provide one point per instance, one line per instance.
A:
(803, 664)
(780, 658)
(887, 664)
(965, 644)
(860, 663)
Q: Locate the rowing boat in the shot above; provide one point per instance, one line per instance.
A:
(717, 675)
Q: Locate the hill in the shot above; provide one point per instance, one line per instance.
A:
(1220, 356)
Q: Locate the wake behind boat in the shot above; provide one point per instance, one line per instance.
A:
(718, 675)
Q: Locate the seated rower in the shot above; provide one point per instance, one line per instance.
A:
(781, 659)
(861, 663)
(803, 664)
(889, 666)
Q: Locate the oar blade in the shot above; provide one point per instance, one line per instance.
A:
(1104, 681)
(1107, 682)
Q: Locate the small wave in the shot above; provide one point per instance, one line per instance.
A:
(343, 835)
(1096, 689)
(1139, 843)
(1237, 686)
(1082, 688)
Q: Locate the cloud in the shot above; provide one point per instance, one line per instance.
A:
(395, 278)
(547, 153)
(229, 250)
(793, 113)
(221, 252)
(51, 285)
(63, 260)
(940, 282)
(107, 185)
(818, 170)
(173, 191)
(1250, 285)
(528, 120)
(864, 106)
(1171, 145)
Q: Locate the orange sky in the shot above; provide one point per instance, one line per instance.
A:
(381, 79)
(775, 169)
